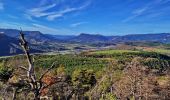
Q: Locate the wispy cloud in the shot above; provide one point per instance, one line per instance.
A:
(1, 6)
(141, 11)
(45, 28)
(77, 24)
(136, 13)
(50, 30)
(60, 13)
(12, 16)
(35, 27)
(28, 17)
(14, 25)
(51, 15)
(40, 11)
(65, 11)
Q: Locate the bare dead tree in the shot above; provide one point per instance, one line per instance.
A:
(36, 83)
(24, 45)
(137, 82)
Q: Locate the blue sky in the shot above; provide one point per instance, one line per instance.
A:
(71, 17)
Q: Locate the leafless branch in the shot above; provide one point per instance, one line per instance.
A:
(50, 68)
(25, 47)
(24, 68)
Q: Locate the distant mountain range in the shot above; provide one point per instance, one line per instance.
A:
(60, 37)
(89, 38)
(31, 36)
(10, 46)
(36, 36)
(159, 37)
(46, 42)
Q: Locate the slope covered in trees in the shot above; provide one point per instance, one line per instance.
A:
(95, 75)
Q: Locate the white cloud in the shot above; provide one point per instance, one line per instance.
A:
(45, 28)
(44, 8)
(136, 13)
(28, 17)
(67, 10)
(31, 27)
(14, 25)
(50, 30)
(35, 27)
(77, 24)
(140, 11)
(60, 13)
(12, 16)
(51, 15)
(40, 12)
(1, 6)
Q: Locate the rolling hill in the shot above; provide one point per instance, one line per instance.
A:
(155, 37)
(159, 37)
(9, 45)
(31, 36)
(89, 38)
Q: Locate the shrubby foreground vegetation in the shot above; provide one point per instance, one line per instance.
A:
(143, 76)
(99, 75)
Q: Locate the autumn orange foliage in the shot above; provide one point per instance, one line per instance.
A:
(48, 80)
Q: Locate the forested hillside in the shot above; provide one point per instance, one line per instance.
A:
(107, 75)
